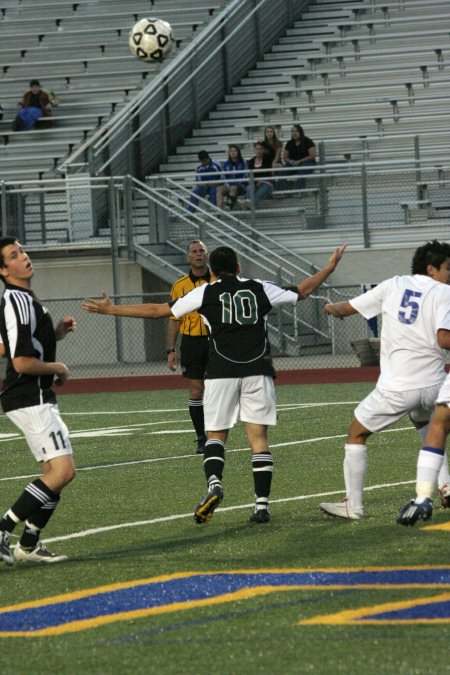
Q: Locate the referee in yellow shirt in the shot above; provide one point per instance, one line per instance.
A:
(194, 337)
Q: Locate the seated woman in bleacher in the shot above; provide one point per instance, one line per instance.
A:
(35, 104)
(300, 154)
(235, 177)
(263, 180)
(273, 142)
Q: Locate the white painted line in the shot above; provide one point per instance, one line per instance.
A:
(191, 455)
(237, 507)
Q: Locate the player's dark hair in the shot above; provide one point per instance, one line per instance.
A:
(4, 242)
(223, 260)
(203, 155)
(432, 253)
(35, 83)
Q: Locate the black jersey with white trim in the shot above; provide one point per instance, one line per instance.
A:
(235, 311)
(26, 329)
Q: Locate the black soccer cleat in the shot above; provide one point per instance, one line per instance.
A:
(208, 505)
(260, 515)
(413, 512)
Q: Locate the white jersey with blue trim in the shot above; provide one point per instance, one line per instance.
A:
(413, 309)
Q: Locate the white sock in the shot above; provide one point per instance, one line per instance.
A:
(444, 476)
(355, 465)
(429, 463)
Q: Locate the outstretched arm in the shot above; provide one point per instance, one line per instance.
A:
(340, 309)
(144, 311)
(309, 285)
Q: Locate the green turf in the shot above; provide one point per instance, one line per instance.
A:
(259, 635)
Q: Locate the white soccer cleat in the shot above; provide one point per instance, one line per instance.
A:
(40, 554)
(341, 510)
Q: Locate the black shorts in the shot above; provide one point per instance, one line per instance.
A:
(194, 356)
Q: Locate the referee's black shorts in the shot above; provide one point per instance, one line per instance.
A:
(194, 356)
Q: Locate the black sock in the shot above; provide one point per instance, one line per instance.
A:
(197, 417)
(35, 495)
(214, 460)
(36, 523)
(262, 466)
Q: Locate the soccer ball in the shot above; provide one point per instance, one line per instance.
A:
(151, 40)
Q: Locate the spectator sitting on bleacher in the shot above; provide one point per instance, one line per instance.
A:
(263, 182)
(299, 153)
(206, 184)
(273, 142)
(35, 104)
(235, 177)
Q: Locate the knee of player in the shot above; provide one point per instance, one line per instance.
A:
(67, 475)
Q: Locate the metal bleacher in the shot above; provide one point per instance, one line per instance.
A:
(363, 79)
(80, 51)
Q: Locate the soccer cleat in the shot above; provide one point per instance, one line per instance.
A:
(5, 553)
(39, 554)
(207, 506)
(444, 495)
(260, 515)
(412, 512)
(200, 445)
(340, 510)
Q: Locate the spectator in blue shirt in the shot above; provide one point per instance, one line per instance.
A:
(206, 181)
(235, 177)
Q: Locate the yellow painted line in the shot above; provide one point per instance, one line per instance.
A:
(353, 616)
(445, 527)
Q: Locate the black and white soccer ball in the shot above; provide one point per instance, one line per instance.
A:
(151, 40)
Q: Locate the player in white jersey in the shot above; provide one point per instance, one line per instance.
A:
(239, 375)
(415, 333)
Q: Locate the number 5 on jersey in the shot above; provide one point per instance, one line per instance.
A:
(411, 311)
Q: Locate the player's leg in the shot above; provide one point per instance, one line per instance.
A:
(443, 480)
(439, 440)
(196, 390)
(221, 401)
(262, 469)
(258, 411)
(429, 464)
(193, 360)
(355, 467)
(377, 411)
(433, 435)
(49, 441)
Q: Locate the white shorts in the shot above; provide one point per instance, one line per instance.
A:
(444, 392)
(44, 430)
(250, 399)
(381, 407)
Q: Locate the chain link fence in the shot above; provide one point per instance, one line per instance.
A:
(106, 346)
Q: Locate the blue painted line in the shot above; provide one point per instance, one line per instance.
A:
(107, 602)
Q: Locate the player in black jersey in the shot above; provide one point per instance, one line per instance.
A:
(28, 340)
(239, 374)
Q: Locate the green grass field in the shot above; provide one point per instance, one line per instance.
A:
(128, 517)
